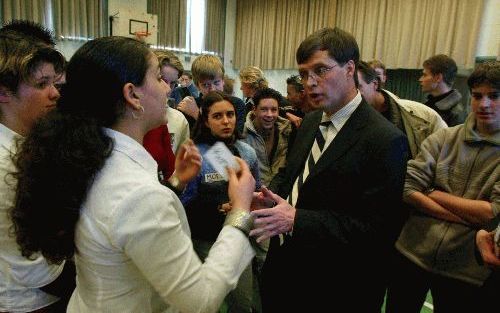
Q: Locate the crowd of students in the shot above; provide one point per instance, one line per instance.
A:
(345, 192)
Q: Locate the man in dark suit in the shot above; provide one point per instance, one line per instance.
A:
(335, 227)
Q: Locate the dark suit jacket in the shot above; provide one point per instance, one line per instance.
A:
(349, 215)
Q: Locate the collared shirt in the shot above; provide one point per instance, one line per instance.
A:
(134, 248)
(178, 127)
(20, 278)
(339, 119)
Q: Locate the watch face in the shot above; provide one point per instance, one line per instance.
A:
(174, 181)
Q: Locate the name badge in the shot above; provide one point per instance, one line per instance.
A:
(213, 177)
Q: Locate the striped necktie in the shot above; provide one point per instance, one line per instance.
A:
(314, 155)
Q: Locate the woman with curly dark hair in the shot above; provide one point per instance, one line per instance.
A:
(88, 188)
(29, 73)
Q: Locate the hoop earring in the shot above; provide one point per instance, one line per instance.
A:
(141, 108)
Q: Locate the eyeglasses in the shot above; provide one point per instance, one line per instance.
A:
(318, 73)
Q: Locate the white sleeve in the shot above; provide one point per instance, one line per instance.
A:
(152, 230)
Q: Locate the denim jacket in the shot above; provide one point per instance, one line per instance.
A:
(208, 190)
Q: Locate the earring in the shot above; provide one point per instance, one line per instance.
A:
(141, 108)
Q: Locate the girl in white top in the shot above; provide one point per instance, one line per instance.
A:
(84, 169)
(29, 70)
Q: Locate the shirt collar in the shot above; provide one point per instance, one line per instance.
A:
(471, 135)
(134, 150)
(340, 117)
(7, 136)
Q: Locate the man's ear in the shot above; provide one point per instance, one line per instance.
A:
(131, 95)
(5, 94)
(438, 77)
(350, 68)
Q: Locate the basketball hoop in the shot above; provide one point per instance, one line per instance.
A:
(141, 35)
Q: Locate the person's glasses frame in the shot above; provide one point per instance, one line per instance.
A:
(317, 73)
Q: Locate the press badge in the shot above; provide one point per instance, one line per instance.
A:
(220, 157)
(213, 177)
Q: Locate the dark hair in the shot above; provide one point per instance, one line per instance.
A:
(442, 64)
(267, 93)
(30, 29)
(376, 64)
(228, 85)
(58, 160)
(168, 58)
(203, 134)
(487, 73)
(295, 81)
(20, 57)
(341, 46)
(368, 73)
(188, 74)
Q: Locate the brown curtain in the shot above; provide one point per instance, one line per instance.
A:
(33, 10)
(215, 21)
(171, 22)
(80, 18)
(269, 32)
(403, 33)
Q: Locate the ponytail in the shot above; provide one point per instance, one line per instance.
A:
(58, 161)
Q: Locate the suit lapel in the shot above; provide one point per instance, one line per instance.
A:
(345, 139)
(303, 143)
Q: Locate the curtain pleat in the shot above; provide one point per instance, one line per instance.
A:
(171, 22)
(404, 33)
(215, 27)
(269, 32)
(33, 10)
(80, 18)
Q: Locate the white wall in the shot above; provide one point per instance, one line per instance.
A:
(68, 47)
(138, 6)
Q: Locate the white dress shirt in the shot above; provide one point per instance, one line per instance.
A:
(338, 120)
(134, 248)
(178, 127)
(20, 278)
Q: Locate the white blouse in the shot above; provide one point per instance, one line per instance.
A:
(20, 278)
(134, 252)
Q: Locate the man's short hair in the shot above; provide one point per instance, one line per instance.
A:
(228, 85)
(487, 73)
(207, 66)
(253, 76)
(167, 58)
(368, 73)
(188, 74)
(20, 57)
(442, 64)
(376, 64)
(30, 30)
(296, 82)
(340, 45)
(267, 93)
